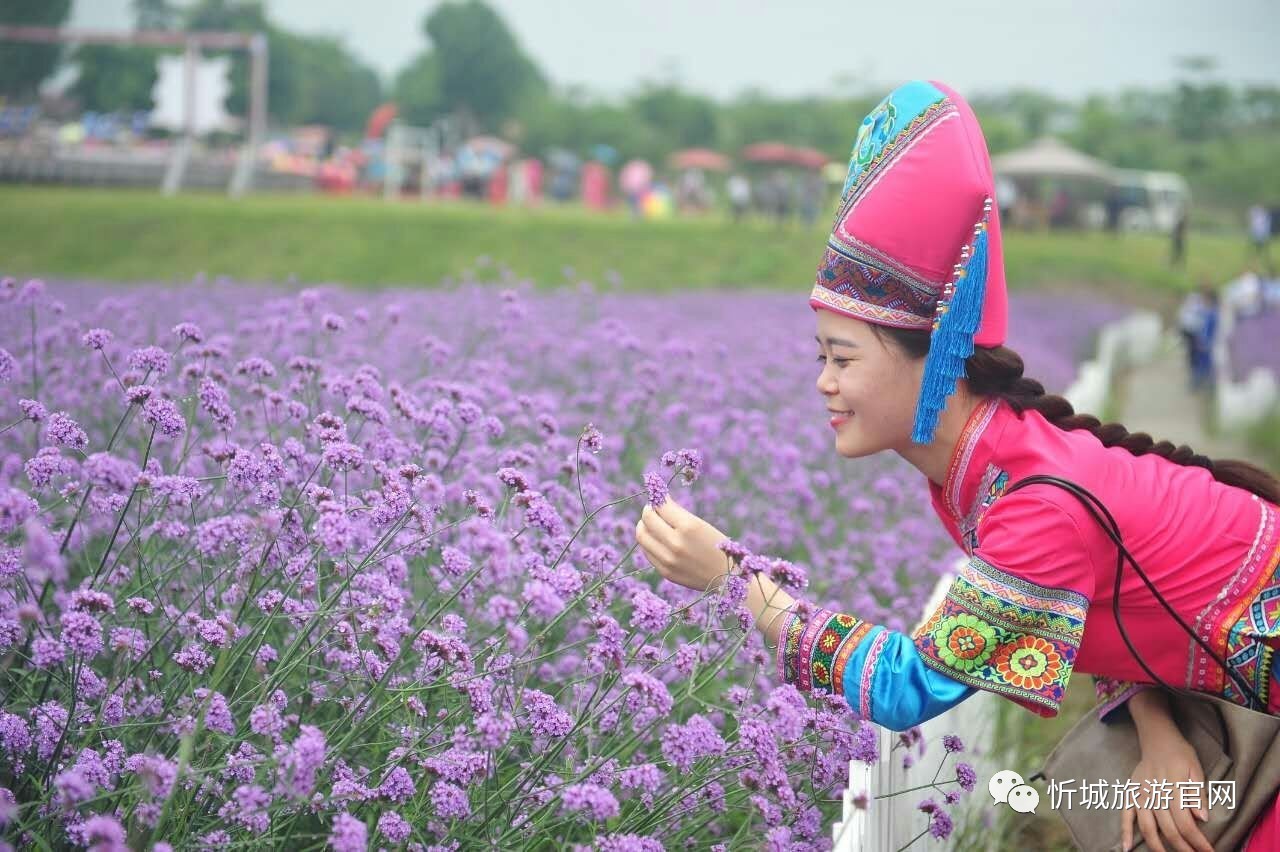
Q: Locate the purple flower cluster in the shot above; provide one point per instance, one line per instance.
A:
(297, 570)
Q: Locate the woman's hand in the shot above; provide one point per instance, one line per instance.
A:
(1167, 755)
(683, 547)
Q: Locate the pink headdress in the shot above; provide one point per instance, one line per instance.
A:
(916, 243)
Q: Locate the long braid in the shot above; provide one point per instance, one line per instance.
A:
(998, 372)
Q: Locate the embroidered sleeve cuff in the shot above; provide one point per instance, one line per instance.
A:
(999, 632)
(877, 671)
(812, 653)
(1114, 694)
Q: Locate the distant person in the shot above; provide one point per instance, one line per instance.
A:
(1245, 294)
(1060, 209)
(739, 189)
(1006, 199)
(691, 191)
(1190, 320)
(811, 191)
(1260, 232)
(1202, 365)
(1113, 205)
(782, 196)
(1178, 238)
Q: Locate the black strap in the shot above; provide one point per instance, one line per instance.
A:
(1113, 530)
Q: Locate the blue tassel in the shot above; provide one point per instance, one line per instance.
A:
(952, 342)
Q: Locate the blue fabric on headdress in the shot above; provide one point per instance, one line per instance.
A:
(884, 123)
(952, 340)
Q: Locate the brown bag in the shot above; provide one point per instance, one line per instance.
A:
(1233, 744)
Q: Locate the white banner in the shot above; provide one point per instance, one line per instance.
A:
(212, 86)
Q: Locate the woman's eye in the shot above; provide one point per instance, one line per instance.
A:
(839, 362)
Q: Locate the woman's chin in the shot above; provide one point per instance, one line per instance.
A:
(852, 449)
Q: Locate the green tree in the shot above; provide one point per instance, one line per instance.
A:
(417, 90)
(482, 70)
(828, 124)
(329, 85)
(245, 16)
(574, 120)
(1260, 105)
(154, 14)
(683, 119)
(113, 77)
(310, 79)
(1032, 109)
(1201, 105)
(25, 65)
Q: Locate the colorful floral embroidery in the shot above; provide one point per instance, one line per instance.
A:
(1112, 693)
(999, 632)
(880, 141)
(865, 708)
(964, 641)
(990, 488)
(850, 644)
(1029, 663)
(1243, 624)
(821, 676)
(965, 446)
(858, 288)
(808, 638)
(789, 645)
(816, 652)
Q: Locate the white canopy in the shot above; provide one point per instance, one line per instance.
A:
(1048, 157)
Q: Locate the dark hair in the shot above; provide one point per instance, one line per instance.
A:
(997, 372)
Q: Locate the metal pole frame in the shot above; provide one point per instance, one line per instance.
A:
(192, 42)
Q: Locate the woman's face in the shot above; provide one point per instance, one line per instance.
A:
(873, 383)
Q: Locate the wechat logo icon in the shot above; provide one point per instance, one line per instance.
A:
(1008, 788)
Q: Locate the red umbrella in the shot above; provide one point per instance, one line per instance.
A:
(699, 158)
(780, 152)
(810, 158)
(767, 152)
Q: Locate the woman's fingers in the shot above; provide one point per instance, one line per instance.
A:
(671, 540)
(1126, 828)
(1170, 831)
(673, 513)
(1190, 831)
(655, 551)
(1150, 831)
(656, 524)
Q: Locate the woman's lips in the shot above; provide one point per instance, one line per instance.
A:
(838, 419)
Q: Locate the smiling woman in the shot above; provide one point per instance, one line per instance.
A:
(868, 385)
(912, 317)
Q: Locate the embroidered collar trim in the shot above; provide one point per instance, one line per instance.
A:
(962, 455)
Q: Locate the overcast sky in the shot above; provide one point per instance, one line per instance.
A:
(720, 47)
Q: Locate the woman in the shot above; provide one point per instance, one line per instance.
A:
(911, 317)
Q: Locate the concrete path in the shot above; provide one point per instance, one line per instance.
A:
(1156, 398)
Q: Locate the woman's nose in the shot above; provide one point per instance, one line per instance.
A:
(826, 383)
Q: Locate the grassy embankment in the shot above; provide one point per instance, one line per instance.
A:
(139, 235)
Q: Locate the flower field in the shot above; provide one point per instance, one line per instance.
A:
(1253, 344)
(326, 568)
